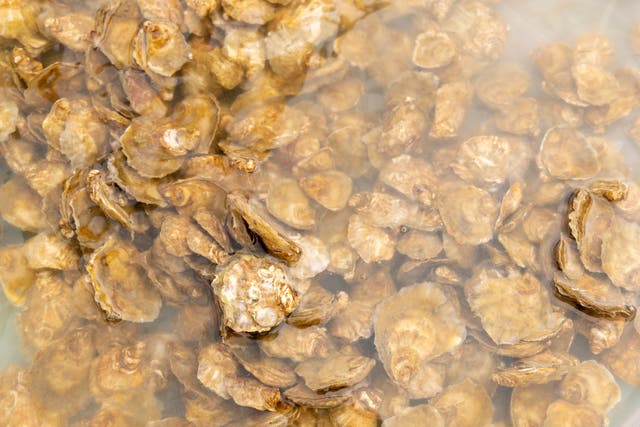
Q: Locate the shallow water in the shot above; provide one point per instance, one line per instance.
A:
(532, 23)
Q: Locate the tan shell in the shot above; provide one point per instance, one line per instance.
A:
(514, 308)
(287, 202)
(484, 161)
(619, 254)
(276, 241)
(297, 344)
(121, 287)
(593, 296)
(335, 372)
(305, 397)
(373, 244)
(528, 406)
(452, 100)
(498, 87)
(468, 213)
(539, 369)
(590, 219)
(522, 117)
(255, 294)
(563, 413)
(566, 154)
(270, 371)
(411, 176)
(591, 383)
(331, 189)
(434, 49)
(404, 327)
(464, 404)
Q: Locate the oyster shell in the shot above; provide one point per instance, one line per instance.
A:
(619, 259)
(593, 296)
(407, 338)
(565, 153)
(468, 213)
(529, 404)
(541, 368)
(255, 294)
(464, 404)
(591, 383)
(120, 285)
(335, 372)
(513, 308)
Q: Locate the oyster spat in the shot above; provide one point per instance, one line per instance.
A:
(590, 217)
(121, 287)
(563, 413)
(565, 153)
(528, 405)
(464, 404)
(413, 327)
(469, 213)
(156, 147)
(268, 370)
(591, 383)
(259, 221)
(594, 296)
(541, 368)
(255, 294)
(620, 254)
(622, 359)
(297, 344)
(334, 372)
(513, 308)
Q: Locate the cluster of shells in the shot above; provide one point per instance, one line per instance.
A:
(273, 212)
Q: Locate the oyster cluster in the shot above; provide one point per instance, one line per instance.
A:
(280, 212)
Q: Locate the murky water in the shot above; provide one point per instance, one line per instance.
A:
(330, 125)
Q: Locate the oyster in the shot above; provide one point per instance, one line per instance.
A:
(297, 344)
(331, 189)
(590, 218)
(269, 371)
(74, 128)
(407, 338)
(529, 404)
(255, 294)
(275, 240)
(464, 404)
(217, 368)
(513, 308)
(593, 296)
(159, 47)
(434, 49)
(452, 101)
(484, 161)
(500, 86)
(619, 258)
(622, 358)
(468, 213)
(287, 202)
(373, 244)
(541, 368)
(120, 285)
(561, 412)
(335, 372)
(567, 154)
(157, 147)
(23, 206)
(591, 383)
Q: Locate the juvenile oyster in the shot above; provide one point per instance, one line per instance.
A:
(254, 293)
(413, 327)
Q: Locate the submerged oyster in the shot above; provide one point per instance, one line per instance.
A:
(413, 327)
(120, 285)
(513, 308)
(255, 293)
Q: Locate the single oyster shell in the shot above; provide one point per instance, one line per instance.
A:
(434, 49)
(121, 287)
(514, 308)
(560, 412)
(297, 344)
(539, 369)
(259, 221)
(591, 383)
(412, 327)
(529, 404)
(254, 293)
(596, 297)
(159, 47)
(620, 254)
(334, 372)
(465, 404)
(567, 154)
(468, 213)
(590, 219)
(498, 87)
